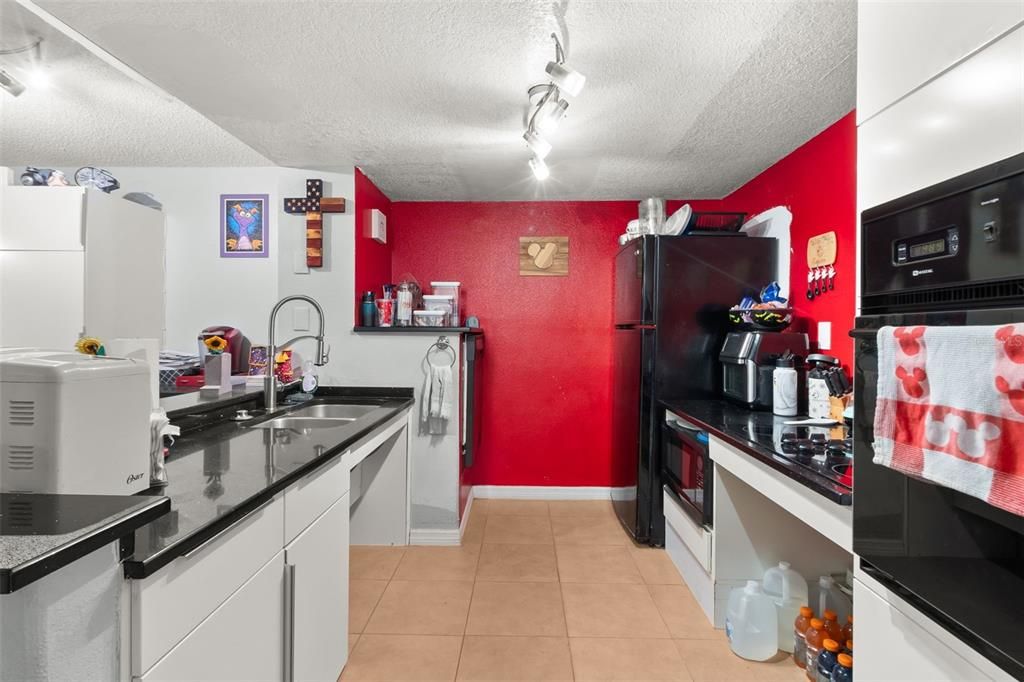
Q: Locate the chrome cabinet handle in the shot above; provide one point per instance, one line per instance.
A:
(289, 622)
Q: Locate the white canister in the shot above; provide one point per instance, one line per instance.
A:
(784, 388)
(404, 312)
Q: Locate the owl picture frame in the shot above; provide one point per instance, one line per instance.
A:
(244, 226)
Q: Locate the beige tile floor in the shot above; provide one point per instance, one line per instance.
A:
(538, 591)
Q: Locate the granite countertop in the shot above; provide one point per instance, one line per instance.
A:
(42, 533)
(754, 432)
(220, 473)
(196, 400)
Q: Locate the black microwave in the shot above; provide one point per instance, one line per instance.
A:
(687, 467)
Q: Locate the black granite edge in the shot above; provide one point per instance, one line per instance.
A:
(418, 330)
(12, 579)
(142, 569)
(763, 455)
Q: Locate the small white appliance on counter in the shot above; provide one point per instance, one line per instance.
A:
(73, 423)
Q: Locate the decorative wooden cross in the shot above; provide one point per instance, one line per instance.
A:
(313, 205)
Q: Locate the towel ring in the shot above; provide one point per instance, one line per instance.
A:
(441, 346)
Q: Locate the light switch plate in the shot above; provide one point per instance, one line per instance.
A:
(300, 318)
(299, 265)
(378, 226)
(824, 335)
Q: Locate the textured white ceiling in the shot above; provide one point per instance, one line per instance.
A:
(683, 99)
(94, 115)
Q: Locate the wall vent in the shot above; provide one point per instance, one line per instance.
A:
(21, 412)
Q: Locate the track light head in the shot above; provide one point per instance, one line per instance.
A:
(11, 84)
(539, 168)
(537, 144)
(569, 80)
(551, 113)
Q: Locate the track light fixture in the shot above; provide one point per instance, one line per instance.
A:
(550, 109)
(37, 77)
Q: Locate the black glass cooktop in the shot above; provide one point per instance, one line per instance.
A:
(828, 452)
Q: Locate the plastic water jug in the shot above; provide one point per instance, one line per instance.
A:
(830, 597)
(751, 623)
(788, 590)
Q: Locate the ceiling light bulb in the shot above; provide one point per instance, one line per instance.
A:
(539, 168)
(537, 144)
(551, 114)
(567, 79)
(39, 79)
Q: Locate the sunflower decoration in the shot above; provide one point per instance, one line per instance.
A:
(90, 345)
(215, 344)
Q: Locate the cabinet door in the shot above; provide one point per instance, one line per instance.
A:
(241, 640)
(317, 585)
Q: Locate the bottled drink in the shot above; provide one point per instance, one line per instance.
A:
(827, 659)
(815, 636)
(800, 625)
(843, 672)
(832, 628)
(848, 629)
(831, 597)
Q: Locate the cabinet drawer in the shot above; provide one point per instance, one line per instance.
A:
(313, 495)
(169, 604)
(241, 640)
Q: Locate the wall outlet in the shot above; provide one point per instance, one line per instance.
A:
(824, 335)
(378, 226)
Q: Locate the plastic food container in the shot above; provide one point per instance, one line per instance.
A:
(429, 318)
(450, 289)
(443, 303)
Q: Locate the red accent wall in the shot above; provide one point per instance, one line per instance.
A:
(547, 358)
(546, 361)
(373, 259)
(818, 183)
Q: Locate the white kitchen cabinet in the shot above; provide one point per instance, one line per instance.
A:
(240, 640)
(901, 45)
(89, 261)
(316, 582)
(305, 501)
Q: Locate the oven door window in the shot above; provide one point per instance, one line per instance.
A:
(686, 454)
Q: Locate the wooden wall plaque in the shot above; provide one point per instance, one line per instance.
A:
(544, 256)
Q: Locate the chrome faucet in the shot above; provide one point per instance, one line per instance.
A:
(322, 354)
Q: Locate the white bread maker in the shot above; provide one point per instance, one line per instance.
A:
(73, 423)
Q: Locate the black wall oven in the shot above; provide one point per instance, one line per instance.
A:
(952, 254)
(688, 467)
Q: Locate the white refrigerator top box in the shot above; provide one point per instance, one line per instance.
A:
(73, 423)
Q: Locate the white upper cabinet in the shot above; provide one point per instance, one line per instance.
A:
(969, 117)
(41, 218)
(903, 44)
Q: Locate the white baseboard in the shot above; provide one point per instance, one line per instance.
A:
(543, 492)
(465, 514)
(435, 536)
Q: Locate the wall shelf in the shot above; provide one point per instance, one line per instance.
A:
(418, 330)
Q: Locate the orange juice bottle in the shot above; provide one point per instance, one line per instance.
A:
(815, 637)
(800, 625)
(848, 629)
(832, 626)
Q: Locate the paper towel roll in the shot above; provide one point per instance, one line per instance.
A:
(144, 349)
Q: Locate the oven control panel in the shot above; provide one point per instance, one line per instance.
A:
(944, 243)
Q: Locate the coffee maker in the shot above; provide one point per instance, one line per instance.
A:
(748, 361)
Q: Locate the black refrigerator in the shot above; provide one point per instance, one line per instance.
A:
(672, 295)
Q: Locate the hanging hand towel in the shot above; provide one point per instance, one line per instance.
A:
(436, 405)
(950, 408)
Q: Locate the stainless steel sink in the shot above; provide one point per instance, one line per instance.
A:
(328, 411)
(323, 416)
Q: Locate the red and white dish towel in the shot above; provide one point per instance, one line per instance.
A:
(950, 408)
